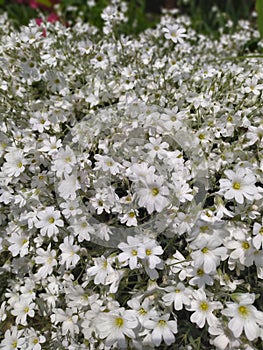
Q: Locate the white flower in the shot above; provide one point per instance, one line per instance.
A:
(144, 309)
(251, 85)
(163, 329)
(35, 340)
(82, 229)
(47, 259)
(15, 163)
(207, 253)
(175, 33)
(68, 187)
(55, 80)
(258, 235)
(68, 255)
(68, 319)
(242, 250)
(181, 189)
(199, 277)
(153, 194)
(51, 145)
(23, 308)
(106, 163)
(203, 309)
(64, 161)
(177, 295)
(101, 270)
(130, 251)
(140, 171)
(70, 208)
(49, 221)
(129, 219)
(13, 339)
(244, 317)
(178, 265)
(149, 251)
(19, 244)
(116, 326)
(238, 185)
(224, 339)
(156, 148)
(40, 121)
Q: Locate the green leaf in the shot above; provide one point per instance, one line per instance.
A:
(259, 8)
(44, 2)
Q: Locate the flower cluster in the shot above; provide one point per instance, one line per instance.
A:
(130, 187)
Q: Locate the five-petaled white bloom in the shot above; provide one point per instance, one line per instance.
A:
(153, 194)
(47, 258)
(178, 295)
(69, 255)
(203, 309)
(49, 221)
(162, 329)
(175, 33)
(22, 309)
(208, 253)
(244, 317)
(238, 185)
(15, 163)
(117, 326)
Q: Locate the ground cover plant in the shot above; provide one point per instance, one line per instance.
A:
(130, 186)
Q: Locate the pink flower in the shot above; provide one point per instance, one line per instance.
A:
(33, 4)
(53, 17)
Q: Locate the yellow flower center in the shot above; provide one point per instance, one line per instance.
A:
(245, 245)
(26, 309)
(155, 191)
(236, 186)
(14, 344)
(19, 165)
(49, 260)
(148, 251)
(200, 272)
(243, 311)
(51, 220)
(35, 341)
(119, 322)
(131, 214)
(261, 231)
(162, 323)
(134, 252)
(204, 250)
(142, 311)
(204, 229)
(204, 306)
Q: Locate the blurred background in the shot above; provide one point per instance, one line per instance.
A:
(206, 15)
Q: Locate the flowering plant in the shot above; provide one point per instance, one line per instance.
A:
(131, 187)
